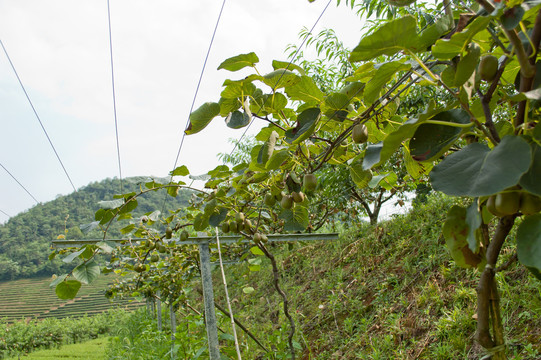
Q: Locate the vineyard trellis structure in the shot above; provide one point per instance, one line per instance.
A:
(203, 243)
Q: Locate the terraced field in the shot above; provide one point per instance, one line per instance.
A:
(33, 298)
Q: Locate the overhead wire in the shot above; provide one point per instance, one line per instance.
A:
(114, 95)
(5, 213)
(199, 83)
(18, 182)
(196, 92)
(37, 116)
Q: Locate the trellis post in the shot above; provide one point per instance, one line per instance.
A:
(206, 276)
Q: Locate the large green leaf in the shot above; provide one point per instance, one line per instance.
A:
(296, 219)
(238, 62)
(384, 73)
(276, 64)
(86, 273)
(433, 32)
(281, 78)
(305, 90)
(217, 217)
(360, 177)
(377, 154)
(306, 125)
(277, 159)
(430, 141)
(237, 89)
(478, 171)
(390, 38)
(73, 255)
(447, 49)
(415, 169)
(237, 120)
(455, 230)
(386, 180)
(201, 117)
(529, 244)
(531, 180)
(111, 204)
(67, 289)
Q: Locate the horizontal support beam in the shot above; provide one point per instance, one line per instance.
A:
(201, 240)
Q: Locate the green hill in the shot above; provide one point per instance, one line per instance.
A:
(26, 237)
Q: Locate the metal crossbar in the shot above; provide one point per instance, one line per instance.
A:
(203, 243)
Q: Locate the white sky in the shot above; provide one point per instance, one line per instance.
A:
(60, 49)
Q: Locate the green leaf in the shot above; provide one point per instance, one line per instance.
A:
(111, 204)
(86, 228)
(474, 220)
(531, 179)
(386, 180)
(58, 280)
(415, 169)
(455, 230)
(360, 177)
(478, 171)
(86, 273)
(67, 289)
(229, 105)
(529, 244)
(383, 74)
(296, 219)
(529, 95)
(73, 255)
(281, 78)
(237, 120)
(238, 62)
(105, 246)
(201, 117)
(200, 222)
(433, 32)
(305, 90)
(277, 159)
(353, 91)
(467, 65)
(180, 171)
(306, 125)
(247, 290)
(276, 64)
(377, 154)
(237, 89)
(216, 218)
(392, 37)
(446, 49)
(256, 251)
(430, 141)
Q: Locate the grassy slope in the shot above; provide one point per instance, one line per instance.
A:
(33, 298)
(386, 293)
(89, 350)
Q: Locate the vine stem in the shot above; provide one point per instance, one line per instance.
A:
(488, 304)
(276, 278)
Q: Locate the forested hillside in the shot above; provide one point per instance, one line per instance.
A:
(25, 238)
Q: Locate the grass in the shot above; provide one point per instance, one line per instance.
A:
(89, 350)
(391, 292)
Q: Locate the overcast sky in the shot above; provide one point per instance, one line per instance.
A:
(60, 48)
